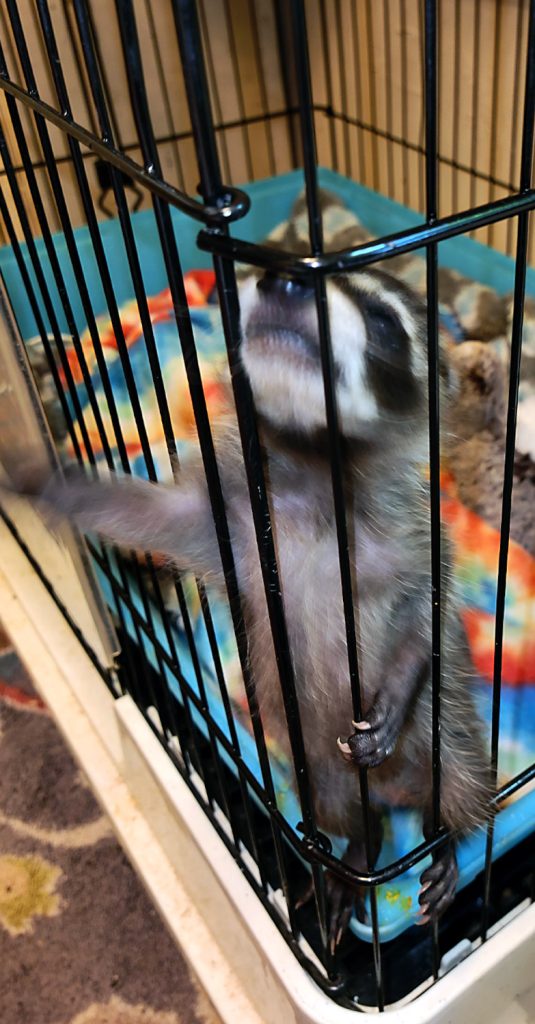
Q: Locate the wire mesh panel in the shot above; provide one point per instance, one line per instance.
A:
(127, 132)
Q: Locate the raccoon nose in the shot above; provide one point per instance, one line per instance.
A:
(281, 286)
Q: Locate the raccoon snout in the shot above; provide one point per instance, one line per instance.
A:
(283, 287)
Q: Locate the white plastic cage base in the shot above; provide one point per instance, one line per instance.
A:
(235, 950)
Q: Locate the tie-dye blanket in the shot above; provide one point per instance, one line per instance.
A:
(476, 542)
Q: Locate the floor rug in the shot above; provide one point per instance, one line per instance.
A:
(80, 943)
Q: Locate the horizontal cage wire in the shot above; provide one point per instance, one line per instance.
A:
(135, 140)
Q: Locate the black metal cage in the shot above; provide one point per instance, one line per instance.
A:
(82, 140)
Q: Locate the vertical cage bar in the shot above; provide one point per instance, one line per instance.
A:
(475, 100)
(494, 107)
(106, 92)
(164, 90)
(526, 161)
(421, 129)
(434, 406)
(207, 156)
(404, 47)
(262, 86)
(325, 47)
(239, 91)
(388, 88)
(516, 102)
(70, 23)
(358, 91)
(302, 60)
(222, 137)
(282, 28)
(343, 87)
(456, 120)
(431, 142)
(368, 7)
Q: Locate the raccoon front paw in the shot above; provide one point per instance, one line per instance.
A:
(439, 883)
(374, 738)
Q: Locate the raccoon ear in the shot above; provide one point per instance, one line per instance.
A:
(480, 400)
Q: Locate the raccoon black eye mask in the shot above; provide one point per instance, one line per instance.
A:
(378, 330)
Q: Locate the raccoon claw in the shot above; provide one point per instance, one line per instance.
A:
(306, 896)
(341, 905)
(375, 737)
(439, 882)
(344, 749)
(342, 900)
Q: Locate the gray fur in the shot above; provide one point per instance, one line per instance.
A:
(388, 519)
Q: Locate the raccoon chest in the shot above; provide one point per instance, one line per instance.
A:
(312, 597)
(309, 575)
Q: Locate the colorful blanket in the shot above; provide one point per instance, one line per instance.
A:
(464, 306)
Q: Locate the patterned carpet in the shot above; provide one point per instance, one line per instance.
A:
(79, 941)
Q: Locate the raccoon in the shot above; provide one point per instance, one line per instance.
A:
(379, 347)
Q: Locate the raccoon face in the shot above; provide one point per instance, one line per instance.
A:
(378, 338)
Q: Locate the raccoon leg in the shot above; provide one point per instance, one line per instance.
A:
(465, 791)
(376, 736)
(175, 521)
(439, 880)
(342, 898)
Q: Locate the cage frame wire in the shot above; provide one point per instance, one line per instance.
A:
(220, 206)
